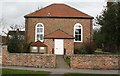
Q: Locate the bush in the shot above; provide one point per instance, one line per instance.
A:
(27, 47)
(67, 60)
(15, 45)
(80, 50)
(87, 48)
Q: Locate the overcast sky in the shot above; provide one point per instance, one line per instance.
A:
(13, 11)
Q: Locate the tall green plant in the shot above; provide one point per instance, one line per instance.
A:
(108, 35)
(15, 44)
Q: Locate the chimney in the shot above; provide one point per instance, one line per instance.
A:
(17, 30)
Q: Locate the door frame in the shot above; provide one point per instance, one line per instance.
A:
(62, 46)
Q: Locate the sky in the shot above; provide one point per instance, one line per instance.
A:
(13, 11)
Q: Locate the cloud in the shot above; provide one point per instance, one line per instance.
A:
(13, 12)
(56, 1)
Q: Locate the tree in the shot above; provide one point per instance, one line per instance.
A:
(108, 35)
(16, 43)
(14, 27)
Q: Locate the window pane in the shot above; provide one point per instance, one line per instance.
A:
(78, 31)
(78, 27)
(42, 49)
(76, 37)
(41, 36)
(39, 30)
(79, 37)
(39, 25)
(34, 49)
(38, 37)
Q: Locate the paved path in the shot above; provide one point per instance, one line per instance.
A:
(62, 71)
(61, 62)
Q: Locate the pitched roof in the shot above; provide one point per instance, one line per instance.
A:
(14, 32)
(58, 10)
(38, 43)
(58, 34)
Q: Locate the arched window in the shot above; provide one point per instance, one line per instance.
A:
(39, 34)
(78, 32)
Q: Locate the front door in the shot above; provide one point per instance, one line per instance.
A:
(59, 47)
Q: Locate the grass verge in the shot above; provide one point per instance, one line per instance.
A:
(15, 72)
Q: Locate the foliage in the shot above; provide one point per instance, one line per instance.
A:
(67, 60)
(98, 50)
(79, 50)
(27, 47)
(87, 48)
(107, 37)
(10, 72)
(15, 44)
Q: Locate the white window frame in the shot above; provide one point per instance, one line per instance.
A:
(34, 47)
(78, 24)
(36, 33)
(42, 48)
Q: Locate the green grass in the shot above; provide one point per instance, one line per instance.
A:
(98, 50)
(11, 72)
(78, 74)
(67, 60)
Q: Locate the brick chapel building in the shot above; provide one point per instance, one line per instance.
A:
(59, 27)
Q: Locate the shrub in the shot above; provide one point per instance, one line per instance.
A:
(27, 47)
(15, 45)
(87, 48)
(80, 50)
(67, 60)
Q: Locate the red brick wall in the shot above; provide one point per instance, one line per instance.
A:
(50, 44)
(28, 59)
(68, 45)
(52, 24)
(95, 61)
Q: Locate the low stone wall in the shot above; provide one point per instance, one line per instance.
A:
(28, 59)
(95, 61)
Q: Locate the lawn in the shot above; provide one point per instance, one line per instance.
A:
(78, 74)
(11, 72)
